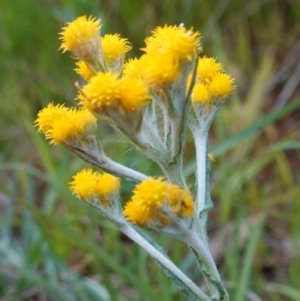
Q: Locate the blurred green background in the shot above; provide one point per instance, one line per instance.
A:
(54, 248)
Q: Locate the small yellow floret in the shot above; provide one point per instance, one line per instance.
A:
(201, 95)
(180, 200)
(61, 125)
(151, 192)
(137, 213)
(79, 33)
(221, 86)
(88, 185)
(102, 91)
(71, 125)
(114, 47)
(134, 94)
(176, 41)
(47, 115)
(83, 184)
(132, 68)
(84, 70)
(107, 185)
(60, 131)
(207, 69)
(154, 200)
(159, 69)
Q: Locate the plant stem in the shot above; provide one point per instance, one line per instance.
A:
(200, 138)
(100, 160)
(173, 172)
(164, 261)
(204, 254)
(197, 240)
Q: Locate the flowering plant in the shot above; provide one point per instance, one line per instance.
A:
(153, 100)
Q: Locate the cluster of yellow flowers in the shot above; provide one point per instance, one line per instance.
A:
(100, 63)
(106, 91)
(89, 185)
(154, 200)
(62, 125)
(212, 84)
(118, 88)
(166, 53)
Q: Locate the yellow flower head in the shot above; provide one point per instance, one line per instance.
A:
(207, 69)
(81, 36)
(114, 47)
(147, 196)
(212, 84)
(221, 86)
(101, 91)
(84, 70)
(159, 69)
(61, 125)
(151, 192)
(180, 200)
(89, 185)
(71, 126)
(83, 184)
(132, 68)
(175, 41)
(47, 115)
(154, 200)
(201, 95)
(134, 94)
(142, 215)
(107, 185)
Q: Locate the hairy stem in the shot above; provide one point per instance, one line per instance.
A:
(200, 138)
(100, 160)
(197, 240)
(164, 261)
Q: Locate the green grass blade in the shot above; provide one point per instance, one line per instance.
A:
(88, 246)
(292, 293)
(283, 145)
(273, 116)
(248, 260)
